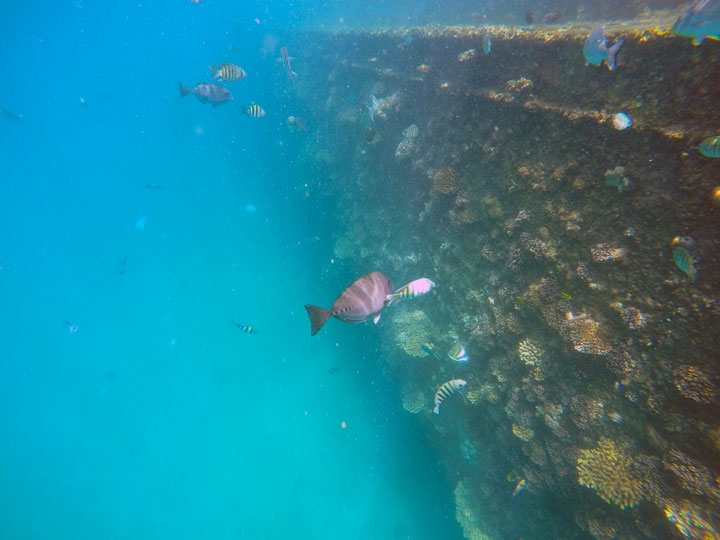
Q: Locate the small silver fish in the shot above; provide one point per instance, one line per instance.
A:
(413, 289)
(487, 44)
(446, 389)
(373, 108)
(596, 50)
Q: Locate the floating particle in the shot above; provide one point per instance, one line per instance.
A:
(684, 261)
(621, 121)
(710, 147)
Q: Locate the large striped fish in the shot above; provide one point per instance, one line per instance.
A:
(228, 72)
(364, 299)
(285, 59)
(446, 389)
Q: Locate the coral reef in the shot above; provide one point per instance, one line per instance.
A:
(466, 512)
(413, 399)
(694, 384)
(608, 469)
(446, 181)
(411, 330)
(586, 334)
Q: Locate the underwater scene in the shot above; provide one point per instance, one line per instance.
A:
(403, 269)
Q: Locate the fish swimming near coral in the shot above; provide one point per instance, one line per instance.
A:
(427, 350)
(685, 261)
(413, 289)
(208, 93)
(621, 121)
(411, 131)
(285, 59)
(458, 354)
(518, 488)
(373, 107)
(447, 389)
(596, 50)
(710, 147)
(228, 72)
(364, 299)
(487, 44)
(700, 21)
(246, 329)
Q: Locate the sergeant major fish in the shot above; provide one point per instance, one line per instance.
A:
(246, 329)
(364, 299)
(209, 93)
(596, 50)
(446, 389)
(700, 21)
(255, 111)
(228, 72)
(285, 59)
(411, 290)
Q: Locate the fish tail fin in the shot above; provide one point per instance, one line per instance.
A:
(291, 74)
(612, 52)
(215, 71)
(318, 317)
(184, 90)
(436, 410)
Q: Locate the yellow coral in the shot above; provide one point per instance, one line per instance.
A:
(586, 335)
(446, 181)
(529, 353)
(523, 432)
(691, 520)
(692, 383)
(412, 329)
(694, 476)
(608, 469)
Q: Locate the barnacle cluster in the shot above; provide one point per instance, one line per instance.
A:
(413, 399)
(446, 181)
(694, 384)
(412, 329)
(608, 469)
(586, 334)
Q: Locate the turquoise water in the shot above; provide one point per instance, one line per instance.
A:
(159, 418)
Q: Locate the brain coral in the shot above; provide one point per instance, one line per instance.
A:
(608, 469)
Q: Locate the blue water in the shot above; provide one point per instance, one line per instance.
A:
(159, 418)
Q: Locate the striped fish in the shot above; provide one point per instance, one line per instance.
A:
(458, 354)
(411, 131)
(621, 121)
(710, 147)
(411, 290)
(684, 261)
(228, 72)
(255, 111)
(446, 389)
(364, 299)
(246, 329)
(286, 62)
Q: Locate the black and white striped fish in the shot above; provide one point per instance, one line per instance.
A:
(286, 62)
(446, 389)
(411, 290)
(255, 111)
(364, 299)
(228, 72)
(246, 329)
